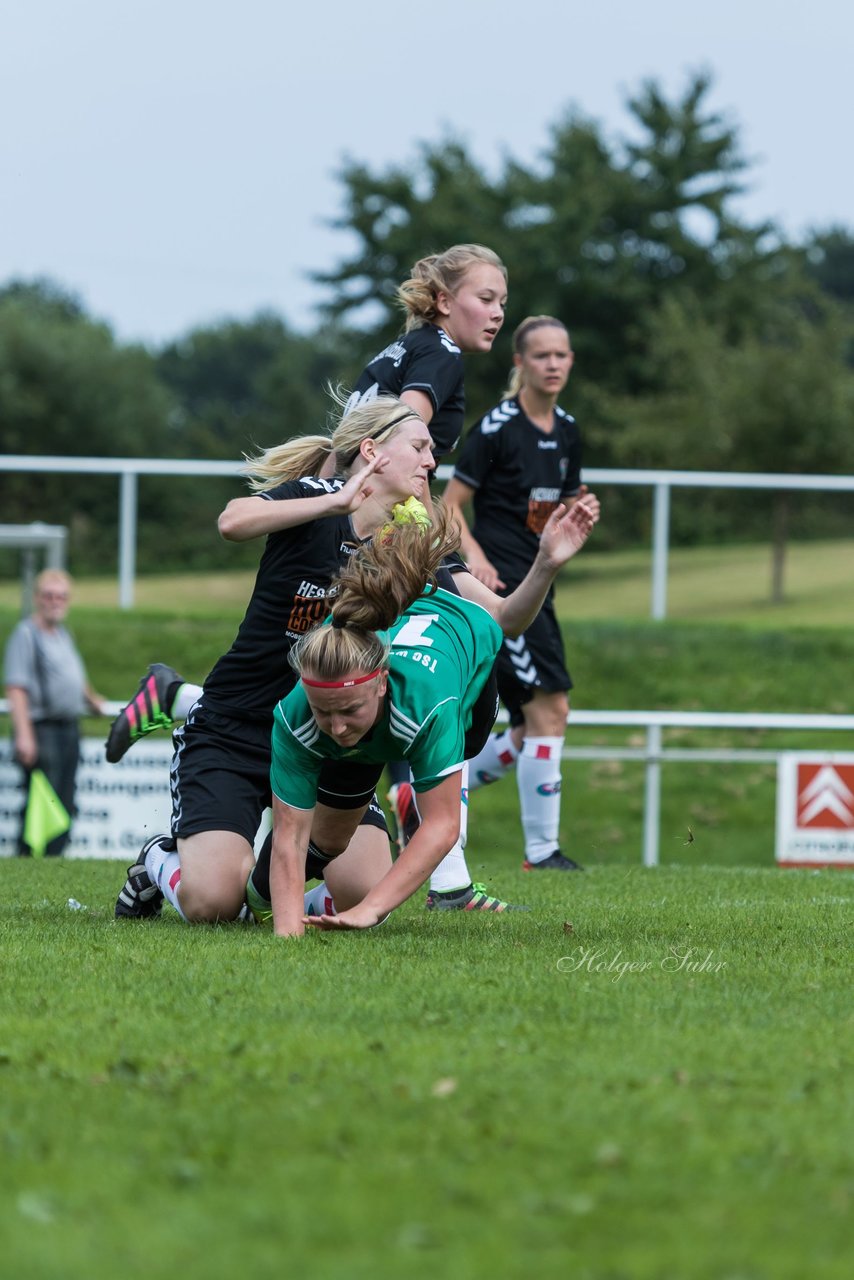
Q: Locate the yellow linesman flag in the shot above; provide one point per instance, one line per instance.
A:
(46, 815)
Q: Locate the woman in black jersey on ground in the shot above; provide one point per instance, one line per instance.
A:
(220, 770)
(516, 465)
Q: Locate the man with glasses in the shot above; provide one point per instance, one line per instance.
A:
(48, 691)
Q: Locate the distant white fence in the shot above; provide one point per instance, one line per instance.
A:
(654, 754)
(130, 801)
(50, 540)
(661, 482)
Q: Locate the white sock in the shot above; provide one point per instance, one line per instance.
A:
(538, 778)
(452, 872)
(186, 697)
(318, 901)
(164, 868)
(497, 757)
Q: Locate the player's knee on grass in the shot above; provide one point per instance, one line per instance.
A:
(365, 862)
(213, 877)
(205, 904)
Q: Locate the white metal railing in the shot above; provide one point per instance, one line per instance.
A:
(36, 536)
(128, 470)
(661, 482)
(654, 754)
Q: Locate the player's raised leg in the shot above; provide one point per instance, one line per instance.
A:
(162, 697)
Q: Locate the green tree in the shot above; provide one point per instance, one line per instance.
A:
(238, 387)
(595, 232)
(789, 393)
(779, 399)
(244, 384)
(67, 388)
(830, 262)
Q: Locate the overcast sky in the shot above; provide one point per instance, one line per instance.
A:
(173, 161)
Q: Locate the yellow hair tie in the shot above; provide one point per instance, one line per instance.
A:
(409, 512)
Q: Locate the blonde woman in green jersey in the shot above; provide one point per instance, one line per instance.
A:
(394, 674)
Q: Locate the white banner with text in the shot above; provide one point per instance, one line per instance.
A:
(119, 806)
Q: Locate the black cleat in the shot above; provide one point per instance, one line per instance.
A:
(140, 898)
(146, 711)
(554, 862)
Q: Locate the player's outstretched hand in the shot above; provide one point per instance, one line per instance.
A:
(352, 494)
(358, 917)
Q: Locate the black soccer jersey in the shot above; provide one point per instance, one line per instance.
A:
(288, 598)
(424, 360)
(519, 474)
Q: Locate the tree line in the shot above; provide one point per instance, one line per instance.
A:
(702, 341)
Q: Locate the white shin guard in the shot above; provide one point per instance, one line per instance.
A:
(539, 781)
(497, 758)
(452, 872)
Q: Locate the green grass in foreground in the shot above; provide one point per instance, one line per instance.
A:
(447, 1096)
(461, 1096)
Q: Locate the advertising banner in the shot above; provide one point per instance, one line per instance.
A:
(119, 806)
(815, 809)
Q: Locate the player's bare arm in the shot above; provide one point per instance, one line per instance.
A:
(456, 497)
(565, 533)
(255, 516)
(291, 831)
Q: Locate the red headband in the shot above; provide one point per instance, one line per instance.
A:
(341, 684)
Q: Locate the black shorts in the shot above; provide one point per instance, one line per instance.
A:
(316, 861)
(347, 785)
(220, 777)
(483, 716)
(533, 662)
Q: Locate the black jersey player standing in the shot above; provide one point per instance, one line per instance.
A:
(454, 304)
(517, 464)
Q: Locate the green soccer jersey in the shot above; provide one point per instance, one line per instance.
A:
(442, 651)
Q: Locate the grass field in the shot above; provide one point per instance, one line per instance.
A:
(647, 1077)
